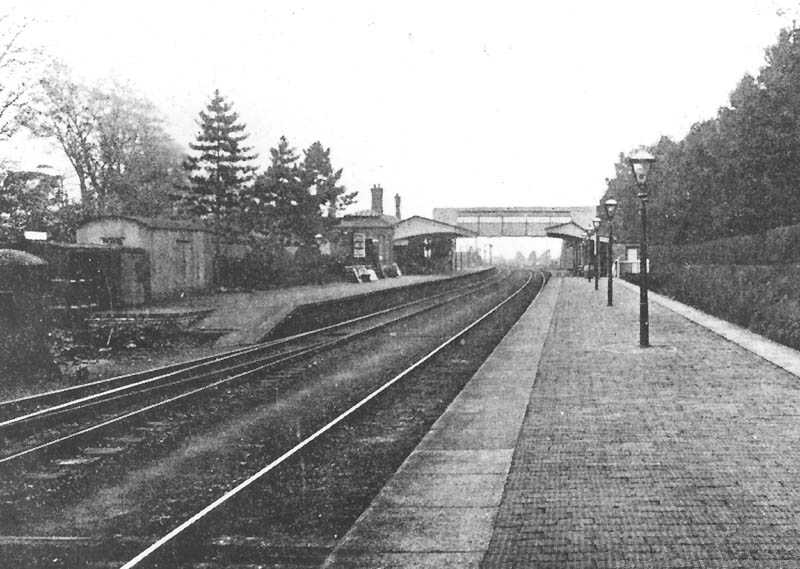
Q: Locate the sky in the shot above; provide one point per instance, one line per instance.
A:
(446, 103)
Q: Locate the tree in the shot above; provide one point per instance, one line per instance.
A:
(283, 204)
(139, 163)
(731, 175)
(29, 201)
(323, 181)
(16, 62)
(220, 168)
(290, 199)
(115, 141)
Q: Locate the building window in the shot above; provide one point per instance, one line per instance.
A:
(112, 240)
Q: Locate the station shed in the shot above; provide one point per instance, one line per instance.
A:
(24, 283)
(181, 253)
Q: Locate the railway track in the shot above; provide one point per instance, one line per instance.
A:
(45, 422)
(310, 429)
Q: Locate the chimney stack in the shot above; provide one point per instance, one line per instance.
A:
(397, 206)
(377, 199)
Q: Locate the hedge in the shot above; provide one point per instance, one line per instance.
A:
(762, 298)
(774, 247)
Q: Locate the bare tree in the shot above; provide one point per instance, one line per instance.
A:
(16, 63)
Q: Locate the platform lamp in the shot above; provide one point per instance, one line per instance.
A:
(596, 224)
(641, 163)
(610, 206)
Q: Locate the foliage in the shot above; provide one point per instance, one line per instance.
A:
(323, 181)
(29, 201)
(776, 246)
(123, 158)
(732, 175)
(282, 205)
(220, 169)
(762, 298)
(288, 200)
(268, 264)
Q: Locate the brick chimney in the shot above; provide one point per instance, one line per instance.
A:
(397, 206)
(377, 199)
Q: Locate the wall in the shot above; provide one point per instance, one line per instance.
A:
(23, 327)
(132, 234)
(134, 277)
(381, 237)
(181, 259)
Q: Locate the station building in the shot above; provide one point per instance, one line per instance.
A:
(415, 245)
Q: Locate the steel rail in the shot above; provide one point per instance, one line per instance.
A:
(308, 440)
(294, 355)
(194, 365)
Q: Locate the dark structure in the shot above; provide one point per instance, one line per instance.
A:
(23, 326)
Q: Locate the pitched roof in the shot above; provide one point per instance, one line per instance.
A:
(417, 225)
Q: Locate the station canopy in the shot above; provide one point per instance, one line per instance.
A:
(418, 226)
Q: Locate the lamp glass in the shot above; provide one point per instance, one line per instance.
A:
(641, 162)
(596, 223)
(611, 208)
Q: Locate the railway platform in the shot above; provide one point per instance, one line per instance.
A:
(245, 317)
(574, 447)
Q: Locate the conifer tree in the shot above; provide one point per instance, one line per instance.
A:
(220, 168)
(319, 175)
(286, 208)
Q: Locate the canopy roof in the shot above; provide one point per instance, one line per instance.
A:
(416, 226)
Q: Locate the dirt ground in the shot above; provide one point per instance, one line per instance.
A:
(76, 359)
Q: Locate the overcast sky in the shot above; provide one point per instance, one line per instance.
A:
(446, 103)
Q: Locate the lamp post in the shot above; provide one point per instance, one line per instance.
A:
(596, 225)
(641, 163)
(610, 207)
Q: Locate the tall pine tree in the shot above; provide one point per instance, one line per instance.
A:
(220, 168)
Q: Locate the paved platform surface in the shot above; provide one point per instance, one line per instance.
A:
(573, 447)
(248, 316)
